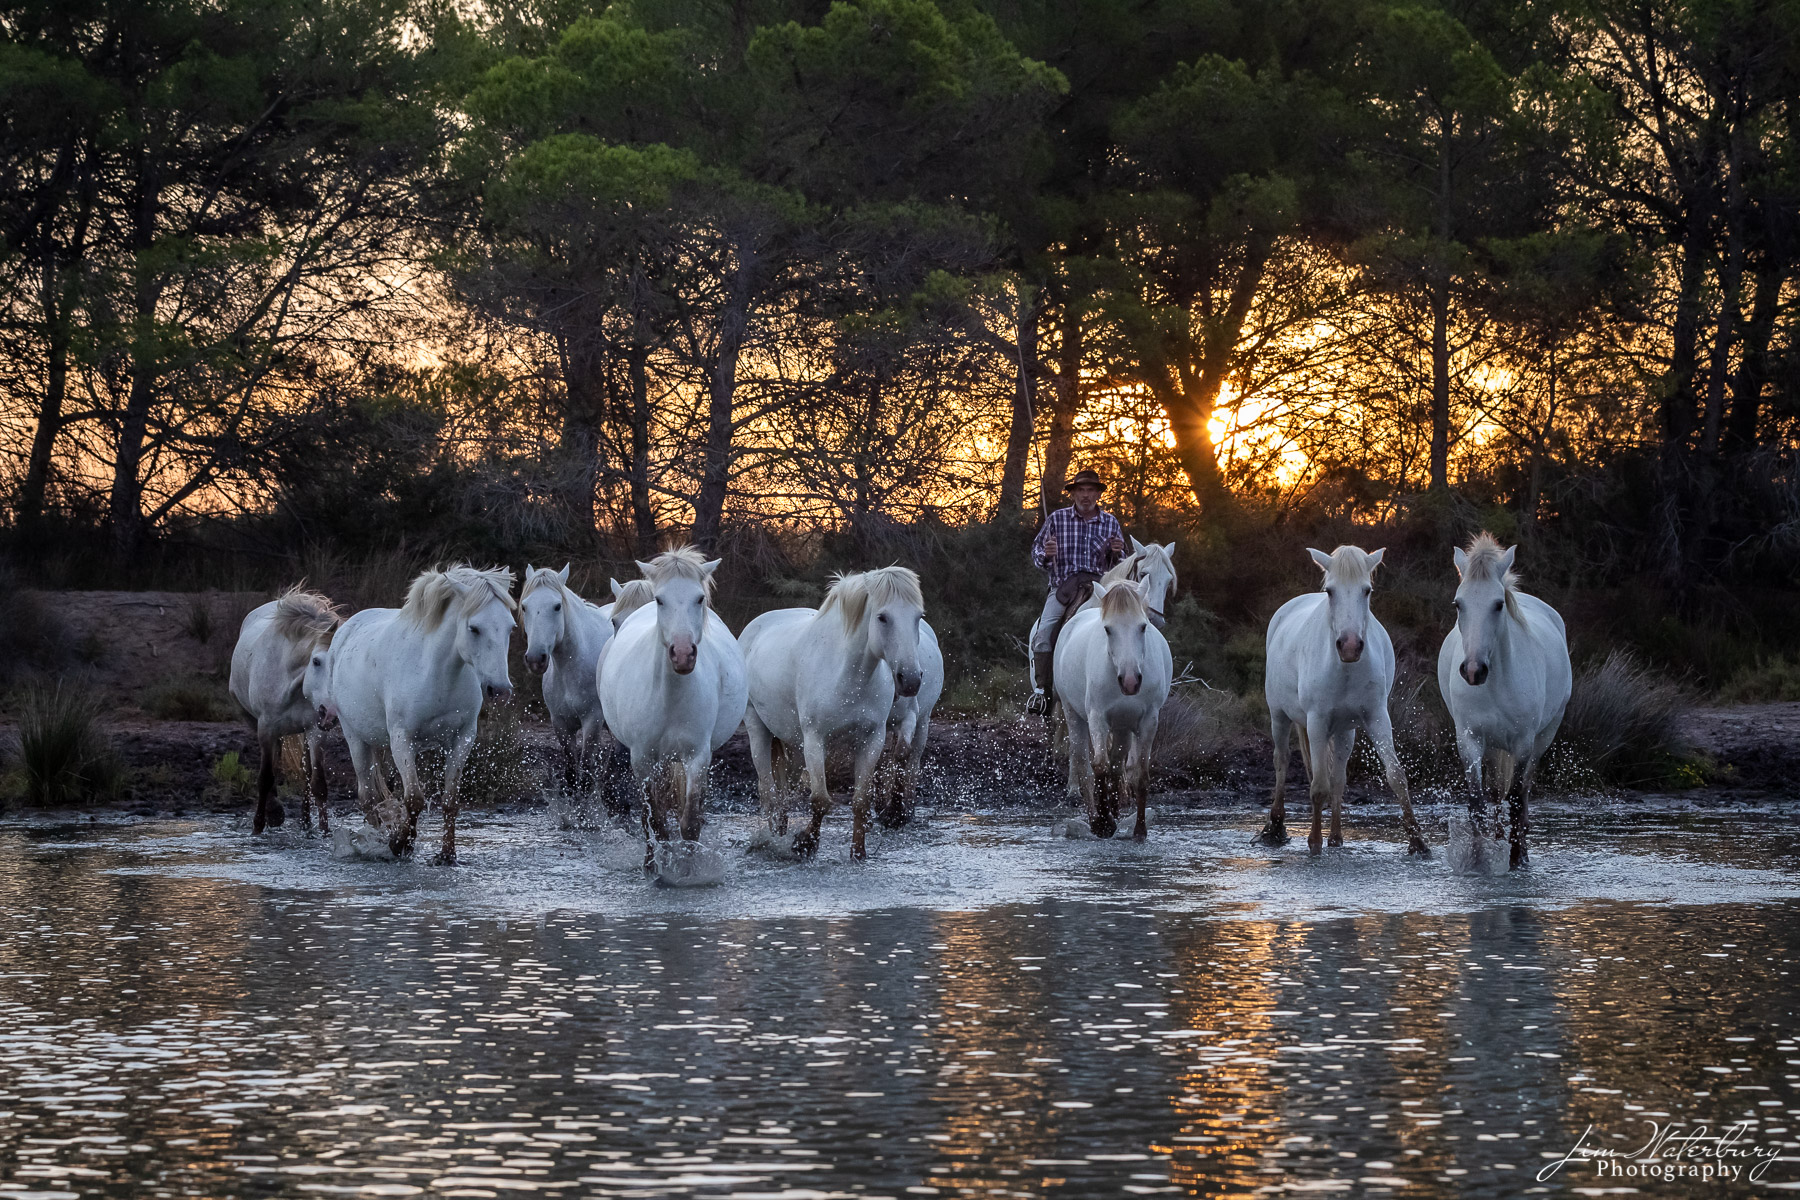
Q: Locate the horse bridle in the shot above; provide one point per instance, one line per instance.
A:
(1156, 614)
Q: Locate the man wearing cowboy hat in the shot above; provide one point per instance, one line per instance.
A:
(1075, 546)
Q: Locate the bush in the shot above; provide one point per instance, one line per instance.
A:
(190, 700)
(1621, 728)
(231, 773)
(1769, 681)
(197, 619)
(1200, 727)
(65, 757)
(30, 633)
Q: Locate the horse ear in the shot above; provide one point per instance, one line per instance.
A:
(1100, 590)
(1137, 547)
(1320, 557)
(1462, 561)
(1170, 551)
(643, 567)
(1506, 560)
(618, 589)
(528, 570)
(710, 567)
(563, 575)
(1375, 557)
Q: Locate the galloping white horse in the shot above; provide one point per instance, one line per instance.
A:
(420, 673)
(908, 728)
(1154, 567)
(830, 671)
(275, 644)
(672, 685)
(564, 637)
(1505, 676)
(1330, 668)
(1113, 671)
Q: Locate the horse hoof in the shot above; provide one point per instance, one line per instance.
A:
(444, 858)
(1335, 840)
(256, 824)
(1314, 846)
(1272, 835)
(1103, 826)
(806, 843)
(1141, 833)
(892, 818)
(277, 814)
(1418, 846)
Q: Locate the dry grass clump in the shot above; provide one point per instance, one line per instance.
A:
(1198, 730)
(1622, 728)
(64, 755)
(188, 700)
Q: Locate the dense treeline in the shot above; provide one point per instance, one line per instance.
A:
(548, 275)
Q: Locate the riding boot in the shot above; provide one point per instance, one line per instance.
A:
(1041, 661)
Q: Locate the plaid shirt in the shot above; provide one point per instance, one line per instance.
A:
(1080, 545)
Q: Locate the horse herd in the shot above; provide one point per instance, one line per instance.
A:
(659, 670)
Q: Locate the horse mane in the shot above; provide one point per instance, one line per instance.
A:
(462, 587)
(303, 617)
(632, 596)
(544, 577)
(852, 594)
(684, 562)
(1484, 555)
(1123, 600)
(1351, 565)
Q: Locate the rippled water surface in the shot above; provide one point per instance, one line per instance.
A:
(981, 1009)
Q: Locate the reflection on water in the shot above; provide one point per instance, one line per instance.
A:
(980, 1010)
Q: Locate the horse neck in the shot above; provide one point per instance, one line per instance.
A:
(577, 630)
(437, 650)
(856, 652)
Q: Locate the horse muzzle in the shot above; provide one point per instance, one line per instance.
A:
(499, 693)
(907, 682)
(328, 717)
(1129, 684)
(1474, 674)
(683, 656)
(537, 664)
(1349, 648)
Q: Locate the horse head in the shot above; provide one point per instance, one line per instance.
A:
(1349, 582)
(888, 607)
(680, 587)
(315, 685)
(1483, 600)
(541, 613)
(1154, 567)
(1125, 616)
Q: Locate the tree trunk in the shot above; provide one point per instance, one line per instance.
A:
(50, 406)
(1064, 408)
(643, 518)
(1440, 383)
(126, 505)
(1018, 437)
(715, 478)
(1753, 367)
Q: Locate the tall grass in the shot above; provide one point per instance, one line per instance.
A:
(65, 756)
(1622, 728)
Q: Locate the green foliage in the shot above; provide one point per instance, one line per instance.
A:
(233, 775)
(64, 755)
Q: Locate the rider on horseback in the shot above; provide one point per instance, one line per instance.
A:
(1074, 546)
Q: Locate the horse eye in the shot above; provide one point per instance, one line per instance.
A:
(1367, 589)
(475, 629)
(882, 617)
(1142, 628)
(659, 601)
(1499, 604)
(558, 608)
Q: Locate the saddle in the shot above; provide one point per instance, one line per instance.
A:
(1072, 593)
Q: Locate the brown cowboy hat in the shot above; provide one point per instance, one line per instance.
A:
(1081, 477)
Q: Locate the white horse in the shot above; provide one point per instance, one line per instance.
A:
(616, 782)
(1151, 565)
(421, 673)
(1113, 670)
(275, 644)
(564, 637)
(1330, 668)
(908, 728)
(1505, 676)
(671, 682)
(833, 671)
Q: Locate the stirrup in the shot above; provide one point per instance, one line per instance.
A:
(1040, 703)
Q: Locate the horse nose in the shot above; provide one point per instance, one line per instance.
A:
(1474, 675)
(907, 683)
(1349, 647)
(682, 656)
(537, 662)
(500, 693)
(1129, 684)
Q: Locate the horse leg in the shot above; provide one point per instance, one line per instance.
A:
(1474, 759)
(400, 745)
(1116, 746)
(267, 807)
(1504, 769)
(453, 769)
(690, 792)
(915, 761)
(1342, 745)
(1520, 814)
(313, 751)
(1381, 732)
(1274, 830)
(763, 747)
(1137, 770)
(1318, 740)
(868, 760)
(813, 747)
(585, 740)
(781, 759)
(1081, 765)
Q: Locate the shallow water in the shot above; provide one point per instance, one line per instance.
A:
(981, 1009)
